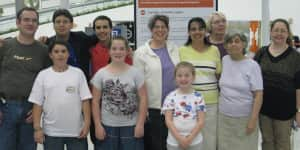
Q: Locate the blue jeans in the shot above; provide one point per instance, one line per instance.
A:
(15, 133)
(120, 138)
(58, 143)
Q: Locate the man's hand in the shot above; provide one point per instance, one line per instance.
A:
(1, 117)
(29, 118)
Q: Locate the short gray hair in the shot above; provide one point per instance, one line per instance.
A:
(229, 36)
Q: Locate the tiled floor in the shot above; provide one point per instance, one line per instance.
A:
(295, 144)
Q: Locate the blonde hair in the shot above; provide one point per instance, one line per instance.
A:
(211, 17)
(185, 64)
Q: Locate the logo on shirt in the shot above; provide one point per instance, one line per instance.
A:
(23, 58)
(70, 89)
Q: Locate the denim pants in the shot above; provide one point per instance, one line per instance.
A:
(58, 143)
(15, 133)
(120, 138)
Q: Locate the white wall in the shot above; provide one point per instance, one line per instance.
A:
(251, 10)
(233, 9)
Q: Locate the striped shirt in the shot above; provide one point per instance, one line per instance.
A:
(207, 65)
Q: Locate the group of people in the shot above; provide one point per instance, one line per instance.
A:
(204, 95)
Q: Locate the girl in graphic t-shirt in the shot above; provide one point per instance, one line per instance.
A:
(119, 104)
(184, 110)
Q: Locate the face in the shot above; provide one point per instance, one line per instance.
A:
(103, 30)
(196, 32)
(118, 51)
(235, 46)
(160, 31)
(279, 33)
(28, 23)
(62, 25)
(59, 55)
(218, 25)
(184, 77)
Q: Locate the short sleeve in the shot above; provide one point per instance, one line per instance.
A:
(3, 48)
(84, 90)
(199, 102)
(97, 79)
(256, 81)
(139, 78)
(37, 93)
(169, 103)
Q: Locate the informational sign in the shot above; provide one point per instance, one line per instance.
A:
(179, 13)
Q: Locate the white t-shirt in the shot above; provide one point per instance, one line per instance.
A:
(185, 108)
(61, 94)
(238, 80)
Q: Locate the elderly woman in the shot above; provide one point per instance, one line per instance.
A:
(157, 60)
(280, 65)
(216, 27)
(240, 97)
(206, 59)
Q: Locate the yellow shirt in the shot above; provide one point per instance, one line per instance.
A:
(207, 65)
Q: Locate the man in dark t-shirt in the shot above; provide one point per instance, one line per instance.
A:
(21, 59)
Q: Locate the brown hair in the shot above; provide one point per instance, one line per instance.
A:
(121, 38)
(289, 40)
(163, 18)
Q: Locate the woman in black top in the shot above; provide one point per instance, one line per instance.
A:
(280, 65)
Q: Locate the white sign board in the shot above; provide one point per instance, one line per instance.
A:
(178, 11)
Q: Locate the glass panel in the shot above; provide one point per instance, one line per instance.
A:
(7, 8)
(49, 4)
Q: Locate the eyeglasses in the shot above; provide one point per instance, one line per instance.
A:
(223, 21)
(62, 21)
(279, 31)
(160, 27)
(27, 20)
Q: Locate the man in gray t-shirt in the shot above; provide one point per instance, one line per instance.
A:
(21, 58)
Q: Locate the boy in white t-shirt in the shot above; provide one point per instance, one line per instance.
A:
(61, 94)
(184, 111)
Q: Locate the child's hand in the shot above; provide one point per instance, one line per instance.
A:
(100, 132)
(182, 142)
(84, 131)
(139, 131)
(39, 136)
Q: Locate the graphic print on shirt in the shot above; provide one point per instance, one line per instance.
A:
(185, 106)
(119, 99)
